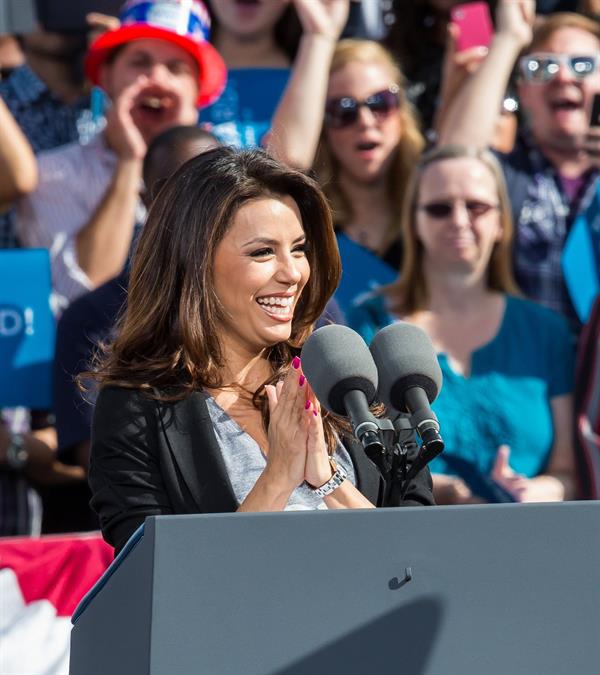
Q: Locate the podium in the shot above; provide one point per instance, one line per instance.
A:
(507, 589)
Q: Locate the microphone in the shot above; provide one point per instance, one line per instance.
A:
(410, 379)
(343, 375)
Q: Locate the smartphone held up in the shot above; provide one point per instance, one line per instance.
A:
(474, 25)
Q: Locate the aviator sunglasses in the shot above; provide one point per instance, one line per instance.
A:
(545, 67)
(444, 209)
(342, 112)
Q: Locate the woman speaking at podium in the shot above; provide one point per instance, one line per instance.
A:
(203, 407)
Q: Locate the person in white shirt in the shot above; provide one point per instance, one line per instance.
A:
(86, 205)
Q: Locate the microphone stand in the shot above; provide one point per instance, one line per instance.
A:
(380, 447)
(431, 446)
(405, 450)
(397, 454)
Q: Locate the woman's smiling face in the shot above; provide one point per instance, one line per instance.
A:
(260, 270)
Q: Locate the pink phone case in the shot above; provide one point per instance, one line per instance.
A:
(474, 23)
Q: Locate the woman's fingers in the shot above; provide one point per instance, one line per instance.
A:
(272, 397)
(279, 387)
(292, 393)
(311, 396)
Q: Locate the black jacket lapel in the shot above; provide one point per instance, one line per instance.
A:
(195, 449)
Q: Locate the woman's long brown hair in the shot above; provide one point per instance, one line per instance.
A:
(167, 342)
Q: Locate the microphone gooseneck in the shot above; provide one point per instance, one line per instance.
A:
(410, 379)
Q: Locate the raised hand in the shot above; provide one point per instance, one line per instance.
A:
(100, 23)
(456, 69)
(515, 18)
(122, 133)
(323, 17)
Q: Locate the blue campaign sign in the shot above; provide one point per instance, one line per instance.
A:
(27, 329)
(362, 271)
(581, 259)
(242, 114)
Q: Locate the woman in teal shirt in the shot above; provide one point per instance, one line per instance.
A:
(505, 408)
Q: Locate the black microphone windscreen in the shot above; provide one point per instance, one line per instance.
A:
(336, 360)
(405, 358)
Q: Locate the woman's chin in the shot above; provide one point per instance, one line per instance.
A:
(276, 334)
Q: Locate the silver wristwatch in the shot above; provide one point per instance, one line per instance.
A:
(16, 453)
(339, 476)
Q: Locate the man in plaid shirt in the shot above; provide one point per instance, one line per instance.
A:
(552, 173)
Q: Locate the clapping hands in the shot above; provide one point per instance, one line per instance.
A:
(297, 448)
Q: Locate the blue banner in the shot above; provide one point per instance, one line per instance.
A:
(27, 329)
(581, 258)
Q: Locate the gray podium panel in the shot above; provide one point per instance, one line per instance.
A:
(495, 590)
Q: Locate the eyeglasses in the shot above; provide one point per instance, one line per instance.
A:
(342, 112)
(545, 67)
(440, 210)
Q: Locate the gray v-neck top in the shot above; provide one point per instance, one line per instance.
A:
(245, 461)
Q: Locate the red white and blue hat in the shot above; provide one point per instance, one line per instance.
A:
(185, 23)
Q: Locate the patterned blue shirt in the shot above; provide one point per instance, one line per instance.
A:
(543, 214)
(46, 121)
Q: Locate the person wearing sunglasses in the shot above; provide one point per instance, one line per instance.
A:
(507, 363)
(553, 172)
(362, 150)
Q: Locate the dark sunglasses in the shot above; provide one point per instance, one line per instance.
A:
(342, 112)
(441, 210)
(545, 67)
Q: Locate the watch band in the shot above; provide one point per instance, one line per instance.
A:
(339, 476)
(16, 453)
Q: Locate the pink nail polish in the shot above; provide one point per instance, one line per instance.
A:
(302, 380)
(295, 363)
(307, 405)
(315, 413)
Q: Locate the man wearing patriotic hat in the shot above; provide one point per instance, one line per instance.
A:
(157, 68)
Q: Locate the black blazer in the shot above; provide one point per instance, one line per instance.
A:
(153, 458)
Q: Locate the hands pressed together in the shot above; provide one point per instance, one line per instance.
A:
(297, 448)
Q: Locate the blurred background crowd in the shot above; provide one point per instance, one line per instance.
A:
(458, 144)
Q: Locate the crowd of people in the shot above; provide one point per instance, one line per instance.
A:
(211, 181)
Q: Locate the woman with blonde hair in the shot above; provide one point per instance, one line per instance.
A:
(361, 136)
(505, 407)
